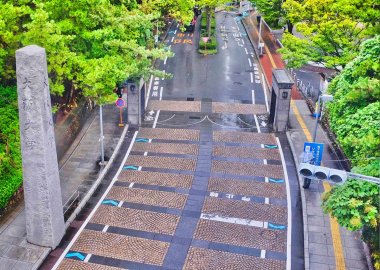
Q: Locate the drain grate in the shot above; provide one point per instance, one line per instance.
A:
(190, 99)
(194, 117)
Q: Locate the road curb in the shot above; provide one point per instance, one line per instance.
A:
(304, 206)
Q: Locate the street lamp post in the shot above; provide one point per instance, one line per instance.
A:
(259, 45)
(321, 98)
(259, 32)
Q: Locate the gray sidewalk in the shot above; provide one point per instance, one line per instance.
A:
(319, 250)
(78, 171)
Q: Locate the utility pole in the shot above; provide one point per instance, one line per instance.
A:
(321, 98)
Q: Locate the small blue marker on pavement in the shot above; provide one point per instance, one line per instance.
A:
(276, 180)
(78, 255)
(276, 227)
(270, 146)
(111, 202)
(142, 140)
(133, 168)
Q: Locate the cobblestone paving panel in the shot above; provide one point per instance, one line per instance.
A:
(246, 152)
(221, 107)
(248, 188)
(149, 197)
(182, 164)
(200, 258)
(244, 137)
(156, 178)
(241, 235)
(121, 247)
(136, 219)
(169, 134)
(246, 210)
(264, 170)
(68, 264)
(175, 106)
(169, 148)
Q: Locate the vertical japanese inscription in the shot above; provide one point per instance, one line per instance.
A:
(43, 201)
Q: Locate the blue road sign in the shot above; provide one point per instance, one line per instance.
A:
(317, 151)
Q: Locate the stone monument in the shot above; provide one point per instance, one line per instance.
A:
(282, 85)
(43, 201)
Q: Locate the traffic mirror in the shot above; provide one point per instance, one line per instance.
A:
(322, 173)
(338, 176)
(306, 169)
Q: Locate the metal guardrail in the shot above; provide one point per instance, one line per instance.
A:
(357, 176)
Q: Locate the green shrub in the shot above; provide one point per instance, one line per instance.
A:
(208, 52)
(211, 44)
(210, 47)
(10, 153)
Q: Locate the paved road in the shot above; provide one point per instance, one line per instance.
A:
(203, 185)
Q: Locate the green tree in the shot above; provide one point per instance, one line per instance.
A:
(355, 205)
(332, 29)
(271, 10)
(91, 46)
(12, 17)
(182, 11)
(209, 7)
(354, 117)
(354, 114)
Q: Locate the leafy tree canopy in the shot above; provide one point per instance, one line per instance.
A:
(354, 114)
(271, 10)
(182, 11)
(89, 44)
(332, 30)
(209, 7)
(355, 119)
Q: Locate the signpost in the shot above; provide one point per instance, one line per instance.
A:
(205, 39)
(312, 154)
(316, 149)
(120, 103)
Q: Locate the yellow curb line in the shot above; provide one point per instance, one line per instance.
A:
(335, 233)
(300, 120)
(337, 240)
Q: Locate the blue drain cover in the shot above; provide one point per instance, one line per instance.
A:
(133, 168)
(276, 226)
(74, 255)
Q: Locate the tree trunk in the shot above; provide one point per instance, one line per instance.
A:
(290, 27)
(208, 14)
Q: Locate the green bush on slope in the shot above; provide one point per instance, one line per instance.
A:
(10, 152)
